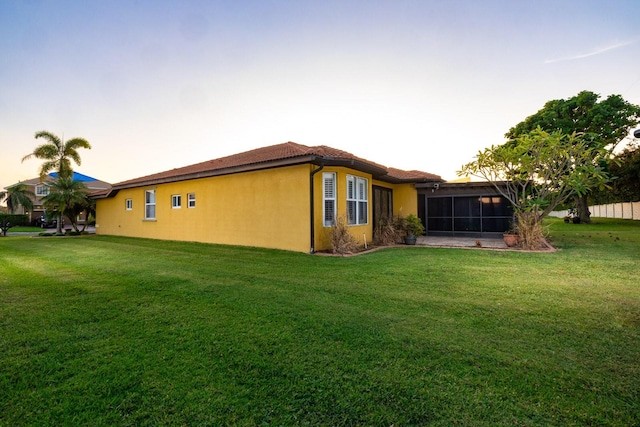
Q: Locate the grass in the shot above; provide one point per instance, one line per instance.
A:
(117, 331)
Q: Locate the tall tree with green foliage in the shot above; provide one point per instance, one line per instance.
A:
(625, 171)
(626, 186)
(603, 124)
(17, 195)
(57, 154)
(66, 197)
(536, 172)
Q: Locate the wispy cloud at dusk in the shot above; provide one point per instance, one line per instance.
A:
(593, 52)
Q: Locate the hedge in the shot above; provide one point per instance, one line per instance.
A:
(15, 220)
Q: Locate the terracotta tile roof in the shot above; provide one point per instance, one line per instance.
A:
(412, 175)
(100, 194)
(288, 153)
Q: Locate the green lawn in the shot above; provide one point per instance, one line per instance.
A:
(109, 331)
(23, 229)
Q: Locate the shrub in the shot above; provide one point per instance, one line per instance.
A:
(342, 242)
(15, 220)
(530, 230)
(413, 225)
(392, 230)
(388, 231)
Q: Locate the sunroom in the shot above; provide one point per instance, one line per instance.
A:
(469, 209)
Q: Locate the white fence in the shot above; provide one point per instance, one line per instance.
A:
(626, 210)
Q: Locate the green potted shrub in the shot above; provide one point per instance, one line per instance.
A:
(413, 228)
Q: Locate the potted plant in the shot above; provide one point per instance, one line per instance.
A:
(412, 227)
(511, 237)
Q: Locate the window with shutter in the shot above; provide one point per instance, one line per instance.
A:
(328, 198)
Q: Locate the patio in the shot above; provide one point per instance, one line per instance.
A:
(461, 242)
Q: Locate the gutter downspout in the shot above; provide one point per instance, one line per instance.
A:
(312, 206)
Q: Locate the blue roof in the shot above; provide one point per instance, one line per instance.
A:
(76, 177)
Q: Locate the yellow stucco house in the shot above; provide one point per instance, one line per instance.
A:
(284, 196)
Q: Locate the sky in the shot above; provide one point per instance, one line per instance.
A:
(154, 85)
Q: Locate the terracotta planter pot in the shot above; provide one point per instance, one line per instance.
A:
(511, 240)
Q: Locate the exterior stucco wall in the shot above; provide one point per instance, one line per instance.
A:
(359, 232)
(405, 199)
(268, 208)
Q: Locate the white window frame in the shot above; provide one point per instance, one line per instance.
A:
(128, 204)
(357, 200)
(150, 204)
(176, 201)
(191, 200)
(42, 190)
(329, 199)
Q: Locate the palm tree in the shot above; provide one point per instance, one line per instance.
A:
(17, 195)
(57, 154)
(66, 197)
(90, 212)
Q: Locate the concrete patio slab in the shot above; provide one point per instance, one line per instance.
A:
(461, 242)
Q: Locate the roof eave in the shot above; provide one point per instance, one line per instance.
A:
(473, 184)
(375, 171)
(102, 194)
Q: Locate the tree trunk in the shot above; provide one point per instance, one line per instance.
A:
(582, 207)
(59, 224)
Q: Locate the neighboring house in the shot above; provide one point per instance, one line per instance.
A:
(41, 189)
(284, 196)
